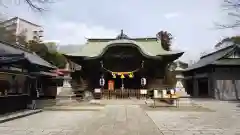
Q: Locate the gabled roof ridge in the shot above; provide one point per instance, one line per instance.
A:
(230, 51)
(110, 39)
(216, 51)
(204, 61)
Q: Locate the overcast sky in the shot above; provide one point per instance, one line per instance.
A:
(191, 22)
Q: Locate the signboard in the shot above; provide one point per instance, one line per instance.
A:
(157, 94)
(97, 90)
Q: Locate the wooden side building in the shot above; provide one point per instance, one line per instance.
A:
(215, 75)
(21, 72)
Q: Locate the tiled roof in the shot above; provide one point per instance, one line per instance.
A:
(11, 58)
(223, 62)
(33, 58)
(215, 58)
(147, 47)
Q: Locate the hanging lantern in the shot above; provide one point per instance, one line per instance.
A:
(130, 75)
(143, 81)
(102, 81)
(122, 76)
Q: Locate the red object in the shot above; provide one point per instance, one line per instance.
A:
(58, 72)
(110, 85)
(63, 70)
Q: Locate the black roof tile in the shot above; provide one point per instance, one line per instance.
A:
(33, 58)
(211, 58)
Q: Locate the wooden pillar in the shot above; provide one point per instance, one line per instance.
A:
(195, 88)
(210, 90)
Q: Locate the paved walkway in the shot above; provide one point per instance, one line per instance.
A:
(128, 118)
(113, 120)
(225, 120)
(123, 120)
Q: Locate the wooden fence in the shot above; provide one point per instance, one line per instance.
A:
(123, 94)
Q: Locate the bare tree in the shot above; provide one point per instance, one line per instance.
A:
(233, 9)
(37, 5)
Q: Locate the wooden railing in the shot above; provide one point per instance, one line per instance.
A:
(122, 94)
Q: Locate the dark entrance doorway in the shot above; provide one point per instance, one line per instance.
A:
(133, 83)
(203, 87)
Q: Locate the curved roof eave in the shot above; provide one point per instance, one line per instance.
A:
(124, 42)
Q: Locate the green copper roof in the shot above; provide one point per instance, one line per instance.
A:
(149, 47)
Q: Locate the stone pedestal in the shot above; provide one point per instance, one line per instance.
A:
(180, 90)
(179, 87)
(66, 90)
(66, 83)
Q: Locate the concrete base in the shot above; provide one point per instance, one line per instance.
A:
(95, 101)
(65, 92)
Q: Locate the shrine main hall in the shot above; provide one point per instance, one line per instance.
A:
(121, 63)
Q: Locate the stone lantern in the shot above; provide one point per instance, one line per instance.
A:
(179, 87)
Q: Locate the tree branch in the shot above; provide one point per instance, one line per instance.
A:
(33, 6)
(233, 9)
(39, 4)
(232, 4)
